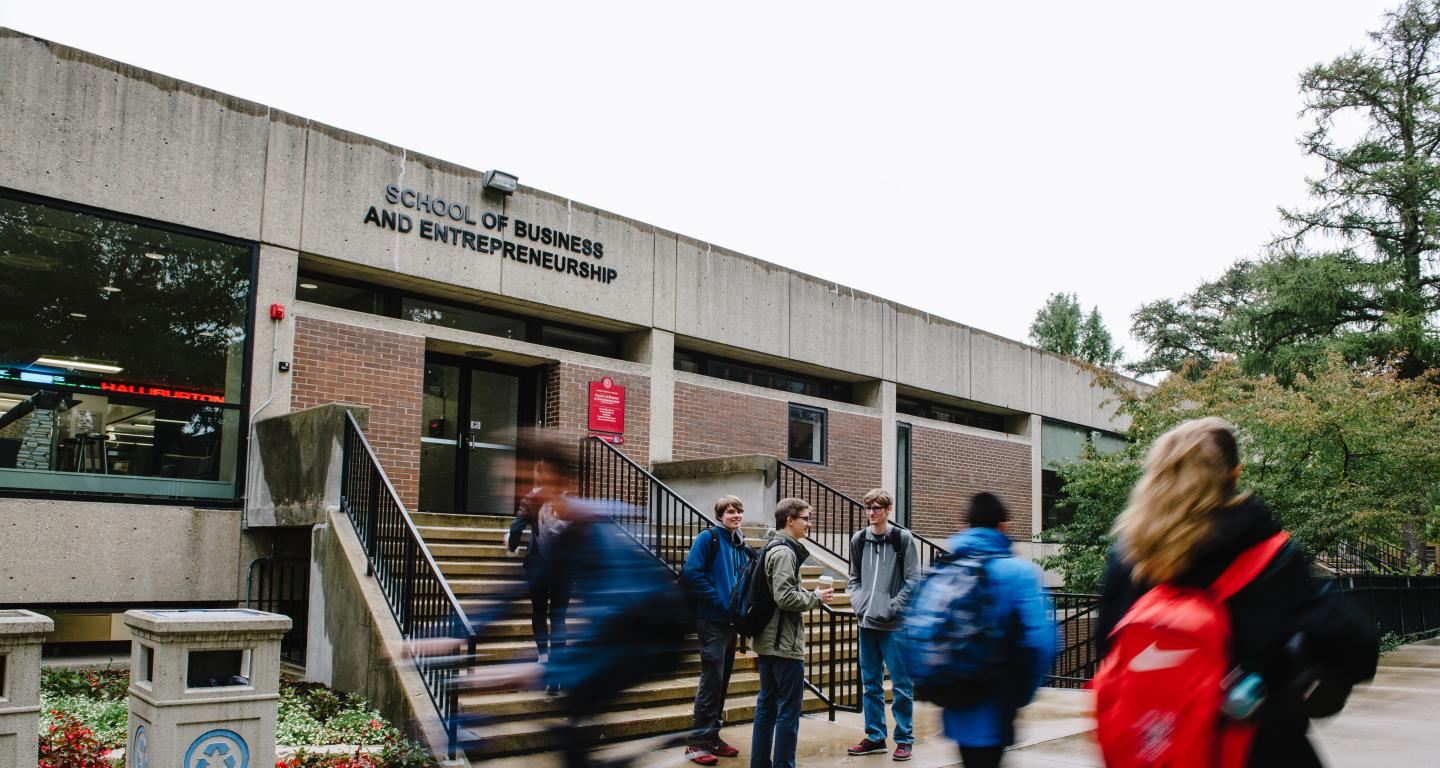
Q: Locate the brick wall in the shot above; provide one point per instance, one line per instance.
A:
(567, 405)
(335, 362)
(716, 422)
(949, 467)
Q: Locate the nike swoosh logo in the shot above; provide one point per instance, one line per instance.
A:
(1153, 658)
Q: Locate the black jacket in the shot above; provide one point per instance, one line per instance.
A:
(1280, 603)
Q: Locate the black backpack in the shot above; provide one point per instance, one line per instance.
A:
(751, 604)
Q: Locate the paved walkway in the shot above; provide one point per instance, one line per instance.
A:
(1394, 720)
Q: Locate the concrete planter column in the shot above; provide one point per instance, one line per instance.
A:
(204, 688)
(21, 633)
(751, 478)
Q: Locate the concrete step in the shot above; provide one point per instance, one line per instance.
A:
(503, 567)
(537, 704)
(536, 734)
(443, 552)
(444, 534)
(460, 521)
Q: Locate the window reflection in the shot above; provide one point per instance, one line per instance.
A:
(121, 355)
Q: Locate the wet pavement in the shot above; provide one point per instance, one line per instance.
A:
(1395, 720)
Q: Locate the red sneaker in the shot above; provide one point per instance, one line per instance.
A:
(721, 749)
(867, 747)
(699, 755)
(902, 753)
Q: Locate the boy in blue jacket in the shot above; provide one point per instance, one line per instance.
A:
(714, 564)
(984, 730)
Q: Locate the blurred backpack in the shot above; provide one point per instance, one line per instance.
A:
(957, 656)
(1160, 690)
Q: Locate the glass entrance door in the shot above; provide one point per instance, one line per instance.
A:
(470, 422)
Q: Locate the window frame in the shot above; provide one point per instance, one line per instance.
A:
(815, 386)
(242, 456)
(393, 300)
(823, 423)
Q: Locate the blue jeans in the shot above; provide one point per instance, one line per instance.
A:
(777, 712)
(881, 650)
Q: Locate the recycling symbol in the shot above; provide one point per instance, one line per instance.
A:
(140, 753)
(219, 748)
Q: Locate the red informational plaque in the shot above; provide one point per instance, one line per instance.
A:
(607, 406)
(609, 438)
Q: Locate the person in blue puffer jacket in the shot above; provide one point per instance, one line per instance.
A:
(717, 557)
(984, 730)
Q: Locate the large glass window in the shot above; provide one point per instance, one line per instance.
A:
(902, 472)
(760, 376)
(122, 355)
(951, 414)
(391, 302)
(1061, 443)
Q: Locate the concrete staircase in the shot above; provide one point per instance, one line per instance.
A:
(469, 552)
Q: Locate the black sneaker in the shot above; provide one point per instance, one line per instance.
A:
(867, 747)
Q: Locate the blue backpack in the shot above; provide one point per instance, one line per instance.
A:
(957, 658)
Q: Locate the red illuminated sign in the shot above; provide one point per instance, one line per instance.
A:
(607, 406)
(173, 394)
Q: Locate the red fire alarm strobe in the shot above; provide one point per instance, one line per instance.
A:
(277, 311)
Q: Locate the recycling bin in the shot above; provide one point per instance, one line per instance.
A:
(204, 687)
(21, 633)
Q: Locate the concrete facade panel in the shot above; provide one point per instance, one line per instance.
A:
(283, 207)
(732, 300)
(829, 322)
(64, 552)
(663, 290)
(1060, 388)
(927, 353)
(999, 371)
(78, 127)
(629, 249)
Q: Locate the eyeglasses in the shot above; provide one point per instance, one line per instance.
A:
(876, 508)
(803, 517)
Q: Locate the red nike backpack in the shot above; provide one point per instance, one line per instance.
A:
(1158, 692)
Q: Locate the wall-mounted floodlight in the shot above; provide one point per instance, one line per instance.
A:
(501, 182)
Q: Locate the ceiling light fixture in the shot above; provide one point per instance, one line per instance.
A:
(78, 365)
(110, 289)
(155, 256)
(309, 286)
(79, 314)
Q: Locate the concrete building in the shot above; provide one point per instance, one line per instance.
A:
(179, 264)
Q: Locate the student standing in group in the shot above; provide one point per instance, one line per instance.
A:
(1299, 646)
(714, 564)
(781, 644)
(884, 567)
(1020, 610)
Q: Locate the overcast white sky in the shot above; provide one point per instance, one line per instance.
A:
(966, 159)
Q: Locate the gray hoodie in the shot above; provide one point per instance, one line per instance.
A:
(878, 587)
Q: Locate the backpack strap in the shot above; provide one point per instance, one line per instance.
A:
(714, 547)
(1247, 566)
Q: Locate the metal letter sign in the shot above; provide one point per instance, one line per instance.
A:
(607, 406)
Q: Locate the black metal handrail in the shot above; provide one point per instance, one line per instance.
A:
(656, 517)
(1074, 615)
(835, 516)
(419, 597)
(282, 585)
(838, 654)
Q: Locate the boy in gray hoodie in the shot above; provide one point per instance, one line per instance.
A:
(884, 567)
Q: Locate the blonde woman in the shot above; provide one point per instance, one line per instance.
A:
(1186, 523)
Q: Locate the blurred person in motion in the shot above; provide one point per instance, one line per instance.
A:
(884, 568)
(632, 618)
(781, 643)
(549, 590)
(1016, 609)
(712, 570)
(1191, 544)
